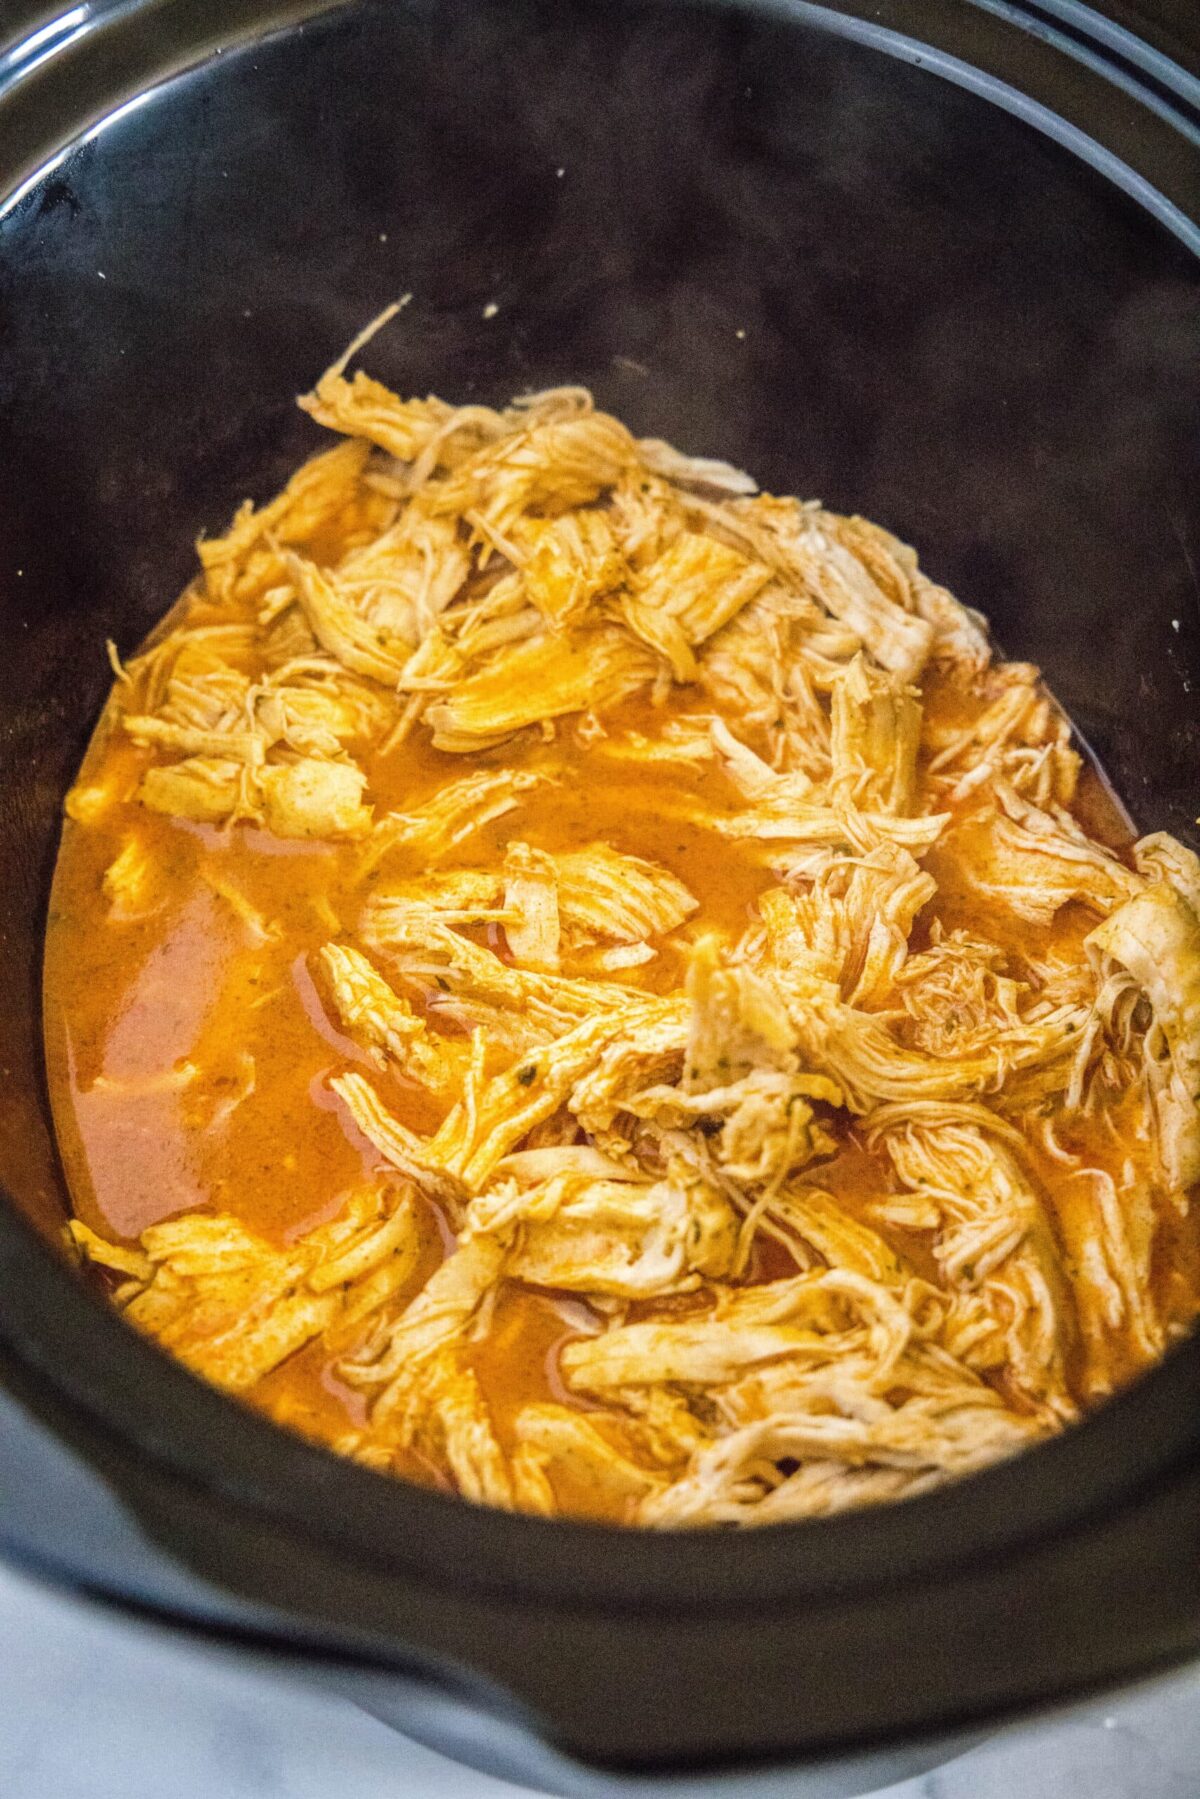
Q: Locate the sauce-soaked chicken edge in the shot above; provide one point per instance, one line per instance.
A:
(583, 983)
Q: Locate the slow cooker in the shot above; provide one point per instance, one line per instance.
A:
(934, 260)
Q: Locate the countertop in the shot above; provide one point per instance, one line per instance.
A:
(96, 1705)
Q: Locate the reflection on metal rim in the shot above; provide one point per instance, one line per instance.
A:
(1012, 100)
(165, 45)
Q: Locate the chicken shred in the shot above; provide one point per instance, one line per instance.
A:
(820, 1195)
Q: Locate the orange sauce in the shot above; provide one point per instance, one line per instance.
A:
(154, 1026)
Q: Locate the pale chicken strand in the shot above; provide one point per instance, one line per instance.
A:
(493, 584)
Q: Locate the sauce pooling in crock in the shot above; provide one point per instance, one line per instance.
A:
(574, 981)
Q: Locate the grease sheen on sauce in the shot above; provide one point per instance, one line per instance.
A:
(132, 1008)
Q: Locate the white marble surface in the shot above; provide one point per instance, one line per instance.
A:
(99, 1706)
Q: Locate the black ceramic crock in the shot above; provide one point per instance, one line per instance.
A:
(928, 259)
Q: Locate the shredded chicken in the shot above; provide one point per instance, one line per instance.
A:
(235, 1306)
(770, 1098)
(1153, 942)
